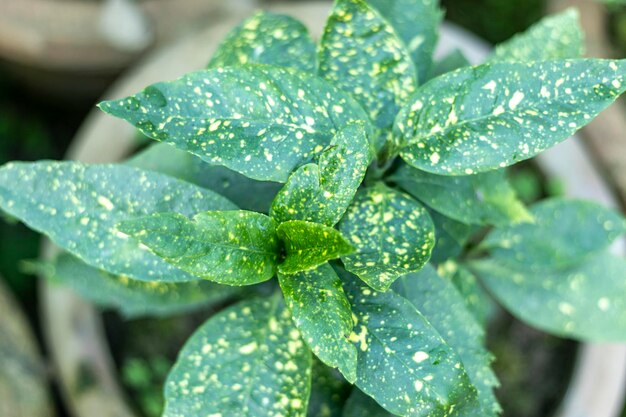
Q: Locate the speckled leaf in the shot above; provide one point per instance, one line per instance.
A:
(321, 193)
(450, 237)
(246, 193)
(564, 233)
(135, 298)
(229, 247)
(429, 292)
(482, 199)
(328, 392)
(267, 38)
(417, 23)
(248, 360)
(321, 311)
(392, 233)
(476, 297)
(258, 120)
(487, 117)
(78, 205)
(555, 37)
(308, 245)
(453, 61)
(403, 363)
(361, 53)
(584, 301)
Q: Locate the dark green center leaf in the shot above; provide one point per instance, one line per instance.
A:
(308, 245)
(229, 247)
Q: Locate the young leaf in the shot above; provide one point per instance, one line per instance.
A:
(392, 233)
(481, 199)
(308, 245)
(78, 206)
(403, 362)
(417, 23)
(258, 120)
(248, 360)
(428, 292)
(564, 232)
(267, 38)
(361, 53)
(321, 311)
(137, 298)
(321, 193)
(584, 301)
(246, 193)
(482, 118)
(555, 37)
(228, 247)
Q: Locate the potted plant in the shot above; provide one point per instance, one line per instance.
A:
(355, 141)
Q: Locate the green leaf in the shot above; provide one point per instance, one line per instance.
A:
(429, 292)
(328, 392)
(487, 117)
(476, 298)
(451, 237)
(554, 37)
(584, 302)
(137, 298)
(228, 247)
(564, 232)
(267, 38)
(453, 61)
(361, 53)
(258, 120)
(321, 311)
(308, 245)
(393, 235)
(483, 199)
(403, 363)
(321, 193)
(246, 193)
(361, 405)
(78, 206)
(248, 360)
(417, 23)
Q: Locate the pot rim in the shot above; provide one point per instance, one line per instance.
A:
(599, 380)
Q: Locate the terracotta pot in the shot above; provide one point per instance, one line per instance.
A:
(74, 328)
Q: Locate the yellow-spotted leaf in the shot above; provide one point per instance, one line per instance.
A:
(267, 38)
(554, 37)
(261, 121)
(78, 206)
(229, 247)
(483, 118)
(321, 192)
(133, 298)
(361, 53)
(309, 245)
(392, 233)
(428, 291)
(403, 363)
(486, 198)
(321, 311)
(417, 23)
(248, 360)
